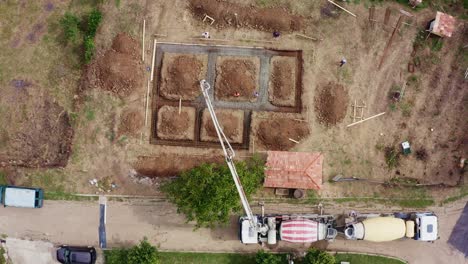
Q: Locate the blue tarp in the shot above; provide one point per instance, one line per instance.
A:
(102, 226)
(459, 236)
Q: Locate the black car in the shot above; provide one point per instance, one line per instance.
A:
(76, 255)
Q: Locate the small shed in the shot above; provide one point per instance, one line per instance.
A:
(443, 25)
(294, 170)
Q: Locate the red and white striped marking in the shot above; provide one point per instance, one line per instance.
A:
(299, 231)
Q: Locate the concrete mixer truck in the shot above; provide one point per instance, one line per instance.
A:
(387, 227)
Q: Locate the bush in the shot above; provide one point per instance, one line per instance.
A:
(207, 193)
(94, 19)
(263, 257)
(69, 24)
(315, 256)
(88, 49)
(143, 253)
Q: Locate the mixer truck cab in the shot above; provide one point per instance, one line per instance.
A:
(381, 228)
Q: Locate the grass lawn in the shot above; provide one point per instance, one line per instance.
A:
(205, 258)
(365, 259)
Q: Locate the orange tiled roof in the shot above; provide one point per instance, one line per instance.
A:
(444, 25)
(294, 170)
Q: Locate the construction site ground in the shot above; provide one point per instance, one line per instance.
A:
(64, 124)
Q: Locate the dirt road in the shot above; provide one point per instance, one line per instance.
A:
(77, 223)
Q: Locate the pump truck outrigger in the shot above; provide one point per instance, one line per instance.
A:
(255, 229)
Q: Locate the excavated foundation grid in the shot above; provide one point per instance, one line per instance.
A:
(262, 102)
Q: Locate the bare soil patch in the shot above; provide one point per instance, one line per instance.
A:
(237, 75)
(119, 69)
(167, 165)
(232, 122)
(174, 126)
(35, 131)
(236, 15)
(331, 103)
(131, 122)
(282, 84)
(181, 74)
(274, 131)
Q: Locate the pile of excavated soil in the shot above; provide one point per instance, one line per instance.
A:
(274, 133)
(331, 104)
(236, 15)
(282, 86)
(131, 122)
(174, 126)
(181, 75)
(167, 165)
(36, 132)
(237, 75)
(119, 69)
(231, 122)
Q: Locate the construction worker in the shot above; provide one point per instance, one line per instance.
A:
(276, 34)
(206, 34)
(343, 62)
(256, 94)
(236, 94)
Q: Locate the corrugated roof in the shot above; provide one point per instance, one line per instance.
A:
(444, 25)
(294, 170)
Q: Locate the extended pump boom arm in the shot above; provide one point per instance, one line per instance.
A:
(228, 152)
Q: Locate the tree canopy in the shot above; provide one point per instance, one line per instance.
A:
(263, 257)
(207, 194)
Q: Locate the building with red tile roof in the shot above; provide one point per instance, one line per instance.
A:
(294, 170)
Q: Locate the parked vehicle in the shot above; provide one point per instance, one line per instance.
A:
(76, 255)
(21, 196)
(421, 226)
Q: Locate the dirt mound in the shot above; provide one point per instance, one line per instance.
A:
(230, 120)
(236, 75)
(274, 134)
(168, 165)
(331, 103)
(38, 134)
(181, 75)
(131, 123)
(282, 87)
(172, 125)
(124, 43)
(119, 71)
(236, 15)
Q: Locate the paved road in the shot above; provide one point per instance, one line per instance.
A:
(77, 223)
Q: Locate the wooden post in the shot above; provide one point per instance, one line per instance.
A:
(295, 141)
(147, 103)
(154, 57)
(306, 37)
(389, 43)
(143, 42)
(354, 111)
(341, 8)
(387, 15)
(364, 120)
(180, 105)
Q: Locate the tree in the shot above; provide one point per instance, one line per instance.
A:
(315, 256)
(144, 253)
(263, 257)
(207, 194)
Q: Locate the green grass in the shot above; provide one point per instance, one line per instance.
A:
(2, 259)
(65, 196)
(462, 193)
(365, 259)
(3, 179)
(205, 258)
